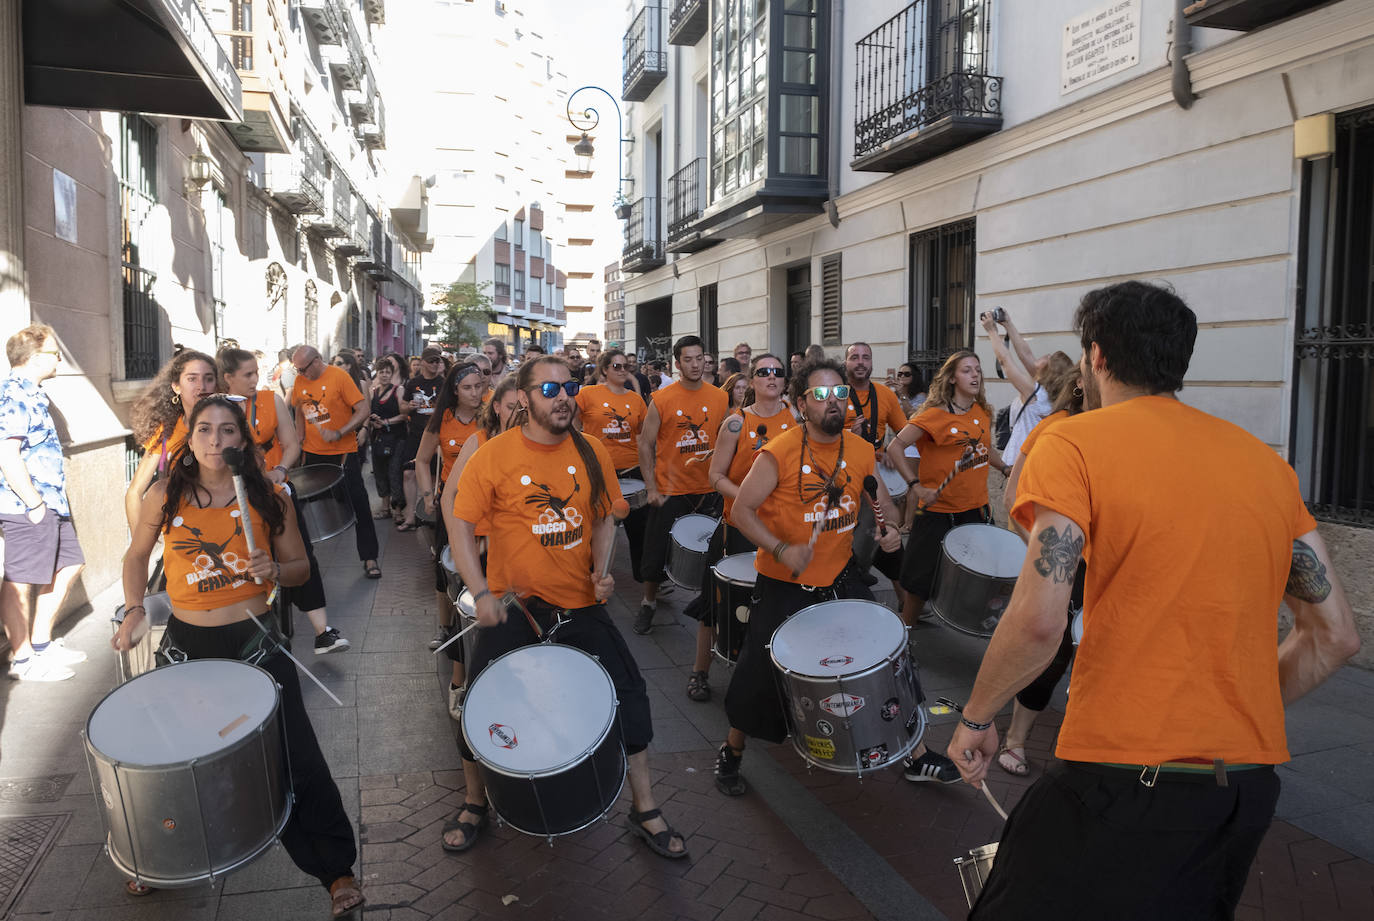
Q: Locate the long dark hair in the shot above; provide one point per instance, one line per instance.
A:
(154, 411)
(184, 474)
(448, 395)
(599, 506)
(489, 416)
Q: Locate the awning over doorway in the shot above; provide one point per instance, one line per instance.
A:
(155, 56)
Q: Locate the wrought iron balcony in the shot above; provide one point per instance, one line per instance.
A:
(375, 11)
(643, 247)
(373, 259)
(686, 202)
(346, 60)
(645, 63)
(357, 240)
(373, 131)
(1245, 14)
(336, 217)
(923, 87)
(297, 179)
(688, 22)
(360, 101)
(325, 19)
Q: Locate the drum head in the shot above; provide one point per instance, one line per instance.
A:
(466, 606)
(446, 559)
(314, 479)
(737, 567)
(985, 549)
(173, 714)
(694, 531)
(1077, 628)
(538, 709)
(837, 638)
(629, 485)
(896, 486)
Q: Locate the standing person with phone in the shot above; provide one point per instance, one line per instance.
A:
(1029, 374)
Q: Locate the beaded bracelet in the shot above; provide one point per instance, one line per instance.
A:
(480, 595)
(976, 727)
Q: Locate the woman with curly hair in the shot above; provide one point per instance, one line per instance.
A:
(214, 581)
(159, 418)
(952, 433)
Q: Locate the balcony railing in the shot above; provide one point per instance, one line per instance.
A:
(326, 20)
(336, 218)
(686, 201)
(375, 10)
(373, 131)
(296, 178)
(687, 22)
(643, 248)
(922, 85)
(645, 63)
(346, 61)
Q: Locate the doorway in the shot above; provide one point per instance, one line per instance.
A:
(798, 308)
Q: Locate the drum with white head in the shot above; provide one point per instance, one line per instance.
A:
(190, 769)
(688, 539)
(896, 486)
(979, 564)
(635, 492)
(732, 596)
(541, 721)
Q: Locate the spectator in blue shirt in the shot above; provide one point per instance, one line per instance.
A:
(42, 556)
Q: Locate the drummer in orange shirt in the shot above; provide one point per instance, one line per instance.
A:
(546, 493)
(159, 419)
(807, 477)
(1194, 531)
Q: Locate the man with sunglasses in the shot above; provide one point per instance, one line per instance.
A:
(546, 493)
(808, 476)
(675, 450)
(417, 405)
(329, 410)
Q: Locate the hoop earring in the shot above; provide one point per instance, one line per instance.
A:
(1078, 391)
(176, 399)
(188, 460)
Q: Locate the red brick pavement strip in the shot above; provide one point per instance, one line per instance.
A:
(744, 865)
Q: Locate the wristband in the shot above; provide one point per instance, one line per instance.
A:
(480, 595)
(137, 607)
(778, 549)
(913, 481)
(976, 727)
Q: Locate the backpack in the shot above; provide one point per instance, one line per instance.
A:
(1001, 428)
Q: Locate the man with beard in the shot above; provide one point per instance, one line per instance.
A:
(1196, 530)
(813, 469)
(495, 350)
(674, 456)
(514, 484)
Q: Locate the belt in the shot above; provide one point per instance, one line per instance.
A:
(1151, 774)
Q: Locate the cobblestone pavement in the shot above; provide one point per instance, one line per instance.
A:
(802, 845)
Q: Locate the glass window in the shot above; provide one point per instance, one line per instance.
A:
(520, 233)
(739, 83)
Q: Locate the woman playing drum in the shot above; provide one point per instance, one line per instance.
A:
(159, 418)
(274, 432)
(953, 434)
(215, 583)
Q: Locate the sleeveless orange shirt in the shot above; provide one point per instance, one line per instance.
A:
(453, 434)
(688, 420)
(205, 555)
(262, 419)
(751, 442)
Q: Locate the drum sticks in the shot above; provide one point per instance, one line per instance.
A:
(965, 461)
(234, 458)
(286, 652)
(871, 490)
(619, 509)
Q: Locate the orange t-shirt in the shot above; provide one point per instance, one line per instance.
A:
(751, 442)
(205, 555)
(1189, 524)
(615, 419)
(262, 419)
(687, 421)
(881, 405)
(537, 500)
(948, 434)
(327, 402)
(1040, 428)
(791, 510)
(453, 434)
(167, 452)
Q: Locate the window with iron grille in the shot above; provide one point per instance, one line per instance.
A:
(708, 306)
(830, 300)
(137, 202)
(1333, 390)
(502, 288)
(216, 222)
(942, 291)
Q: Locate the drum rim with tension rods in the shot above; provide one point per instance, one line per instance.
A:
(824, 676)
(1003, 585)
(715, 567)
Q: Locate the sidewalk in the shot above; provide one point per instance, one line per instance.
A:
(801, 845)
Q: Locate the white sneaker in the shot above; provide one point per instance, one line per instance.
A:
(36, 668)
(57, 653)
(455, 701)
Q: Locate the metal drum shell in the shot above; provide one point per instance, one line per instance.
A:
(453, 583)
(324, 501)
(686, 564)
(169, 826)
(157, 610)
(635, 492)
(974, 870)
(966, 599)
(728, 595)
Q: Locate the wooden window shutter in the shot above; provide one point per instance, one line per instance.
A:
(830, 300)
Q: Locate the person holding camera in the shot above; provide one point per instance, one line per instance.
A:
(1029, 374)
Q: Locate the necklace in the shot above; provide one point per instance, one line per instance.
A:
(961, 409)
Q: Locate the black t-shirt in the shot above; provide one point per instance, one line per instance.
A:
(424, 393)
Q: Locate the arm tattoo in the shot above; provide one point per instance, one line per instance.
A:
(735, 424)
(1307, 579)
(1059, 554)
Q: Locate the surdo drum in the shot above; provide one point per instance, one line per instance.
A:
(852, 698)
(634, 491)
(191, 771)
(324, 500)
(732, 593)
(452, 581)
(896, 486)
(690, 536)
(541, 721)
(979, 564)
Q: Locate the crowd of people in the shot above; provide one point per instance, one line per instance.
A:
(522, 471)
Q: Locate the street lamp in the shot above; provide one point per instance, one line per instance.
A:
(587, 120)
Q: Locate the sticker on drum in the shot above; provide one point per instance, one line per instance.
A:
(820, 748)
(892, 708)
(866, 631)
(836, 661)
(872, 757)
(842, 704)
(825, 728)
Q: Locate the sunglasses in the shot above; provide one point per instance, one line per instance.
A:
(904, 374)
(838, 391)
(433, 361)
(768, 372)
(550, 388)
(306, 366)
(617, 366)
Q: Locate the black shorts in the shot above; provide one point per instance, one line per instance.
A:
(921, 561)
(589, 629)
(34, 553)
(753, 702)
(657, 537)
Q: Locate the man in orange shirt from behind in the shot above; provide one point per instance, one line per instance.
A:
(1193, 531)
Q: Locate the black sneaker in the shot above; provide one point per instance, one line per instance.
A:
(441, 637)
(644, 620)
(728, 780)
(928, 767)
(330, 641)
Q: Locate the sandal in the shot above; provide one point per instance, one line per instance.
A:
(471, 830)
(344, 896)
(135, 888)
(372, 570)
(697, 687)
(381, 515)
(408, 526)
(658, 843)
(1017, 766)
